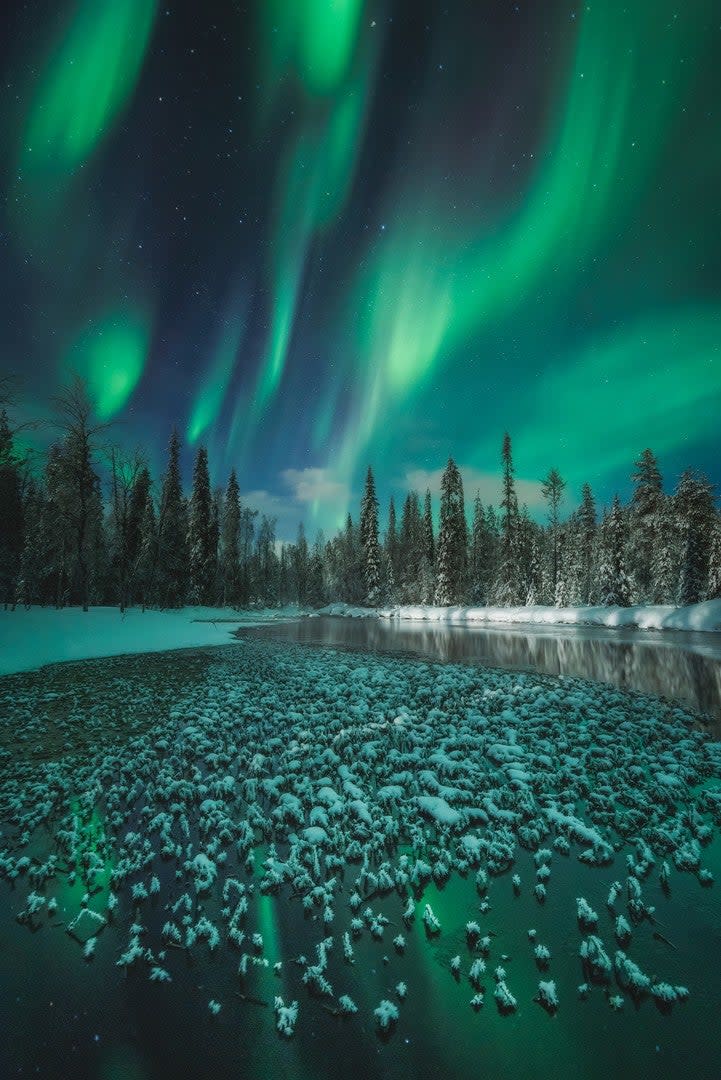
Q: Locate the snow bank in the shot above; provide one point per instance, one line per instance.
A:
(30, 639)
(705, 617)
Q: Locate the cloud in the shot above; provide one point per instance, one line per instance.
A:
(487, 484)
(315, 485)
(313, 495)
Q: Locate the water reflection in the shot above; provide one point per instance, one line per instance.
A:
(684, 667)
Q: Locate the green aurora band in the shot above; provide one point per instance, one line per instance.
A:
(111, 355)
(89, 77)
(433, 287)
(319, 39)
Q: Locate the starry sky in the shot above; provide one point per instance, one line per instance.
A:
(317, 234)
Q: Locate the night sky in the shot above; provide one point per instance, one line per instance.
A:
(317, 234)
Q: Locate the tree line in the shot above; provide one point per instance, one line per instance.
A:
(66, 537)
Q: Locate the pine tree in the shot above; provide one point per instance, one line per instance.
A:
(11, 514)
(171, 575)
(614, 586)
(553, 488)
(369, 542)
(452, 550)
(230, 543)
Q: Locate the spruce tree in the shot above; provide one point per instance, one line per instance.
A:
(369, 542)
(136, 511)
(452, 549)
(553, 488)
(713, 589)
(645, 508)
(429, 546)
(477, 553)
(534, 591)
(614, 586)
(507, 585)
(391, 550)
(586, 528)
(230, 543)
(695, 513)
(11, 514)
(411, 549)
(171, 574)
(80, 483)
(200, 533)
(665, 560)
(146, 562)
(299, 562)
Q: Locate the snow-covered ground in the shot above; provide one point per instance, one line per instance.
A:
(705, 617)
(30, 639)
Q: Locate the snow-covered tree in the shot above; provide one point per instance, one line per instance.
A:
(369, 541)
(507, 584)
(644, 513)
(586, 528)
(614, 586)
(695, 516)
(201, 551)
(11, 513)
(713, 590)
(80, 483)
(452, 548)
(552, 490)
(229, 545)
(171, 575)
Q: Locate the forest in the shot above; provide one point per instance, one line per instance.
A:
(85, 524)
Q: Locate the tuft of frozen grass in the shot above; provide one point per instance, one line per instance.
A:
(477, 971)
(587, 917)
(547, 995)
(504, 998)
(386, 1014)
(542, 955)
(285, 1016)
(159, 974)
(347, 1005)
(214, 1007)
(401, 990)
(89, 948)
(432, 924)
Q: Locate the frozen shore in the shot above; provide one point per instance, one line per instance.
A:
(704, 617)
(30, 639)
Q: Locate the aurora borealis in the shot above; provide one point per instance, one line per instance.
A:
(320, 233)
